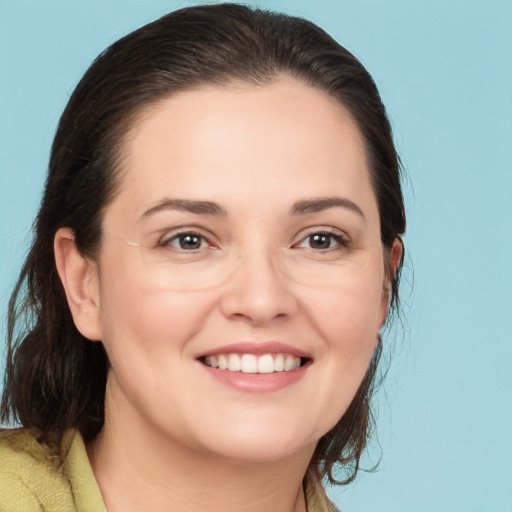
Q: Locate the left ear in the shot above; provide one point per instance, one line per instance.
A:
(392, 259)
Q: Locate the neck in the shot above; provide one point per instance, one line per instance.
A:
(138, 469)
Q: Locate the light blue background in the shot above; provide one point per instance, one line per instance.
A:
(444, 69)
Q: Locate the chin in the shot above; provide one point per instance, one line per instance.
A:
(263, 442)
(260, 452)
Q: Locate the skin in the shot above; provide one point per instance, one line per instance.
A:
(258, 152)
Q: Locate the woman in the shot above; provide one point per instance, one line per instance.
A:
(217, 249)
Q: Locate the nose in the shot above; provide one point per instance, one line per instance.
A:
(258, 292)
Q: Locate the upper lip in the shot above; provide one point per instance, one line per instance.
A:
(256, 348)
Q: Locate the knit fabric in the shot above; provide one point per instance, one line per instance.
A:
(35, 478)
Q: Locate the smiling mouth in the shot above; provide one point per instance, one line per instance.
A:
(251, 363)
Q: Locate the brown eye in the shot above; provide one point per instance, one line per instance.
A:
(186, 241)
(320, 241)
(190, 241)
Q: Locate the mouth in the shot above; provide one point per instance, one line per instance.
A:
(255, 363)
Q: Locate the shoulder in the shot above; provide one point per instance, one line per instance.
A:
(31, 474)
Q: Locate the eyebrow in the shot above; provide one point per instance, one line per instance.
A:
(186, 205)
(211, 208)
(324, 203)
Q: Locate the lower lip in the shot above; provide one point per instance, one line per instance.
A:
(257, 382)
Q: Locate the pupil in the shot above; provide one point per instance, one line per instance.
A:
(190, 242)
(320, 241)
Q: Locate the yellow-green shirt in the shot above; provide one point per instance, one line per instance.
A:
(35, 479)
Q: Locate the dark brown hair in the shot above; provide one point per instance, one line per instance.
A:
(55, 378)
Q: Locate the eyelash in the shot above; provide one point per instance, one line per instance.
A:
(167, 241)
(340, 240)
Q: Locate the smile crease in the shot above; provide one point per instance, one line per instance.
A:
(251, 363)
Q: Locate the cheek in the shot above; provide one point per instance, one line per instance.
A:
(149, 339)
(347, 319)
(138, 312)
(151, 316)
(348, 315)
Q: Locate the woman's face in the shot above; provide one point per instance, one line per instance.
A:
(245, 233)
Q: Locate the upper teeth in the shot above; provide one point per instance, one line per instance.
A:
(250, 363)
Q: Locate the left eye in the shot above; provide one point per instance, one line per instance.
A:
(186, 241)
(322, 241)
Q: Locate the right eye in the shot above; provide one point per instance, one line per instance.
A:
(186, 241)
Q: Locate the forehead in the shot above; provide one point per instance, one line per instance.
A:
(211, 110)
(244, 139)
